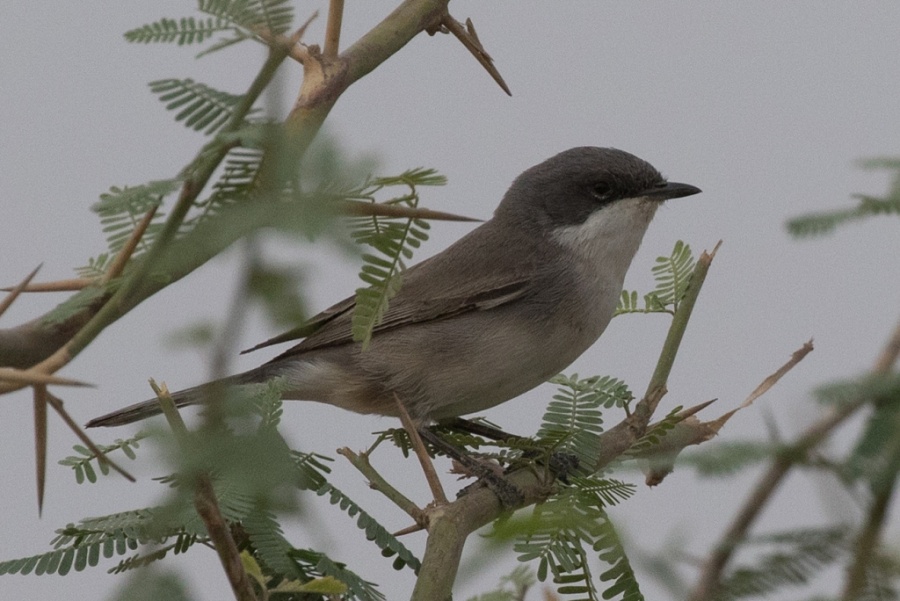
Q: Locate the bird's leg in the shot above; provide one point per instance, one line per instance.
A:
(434, 483)
(561, 464)
(509, 495)
(479, 429)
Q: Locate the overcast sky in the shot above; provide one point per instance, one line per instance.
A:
(766, 106)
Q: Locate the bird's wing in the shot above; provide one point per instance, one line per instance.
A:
(310, 326)
(466, 277)
(335, 323)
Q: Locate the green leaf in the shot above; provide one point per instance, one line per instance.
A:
(199, 106)
(273, 15)
(825, 222)
(186, 30)
(393, 240)
(81, 463)
(672, 275)
(573, 422)
(793, 559)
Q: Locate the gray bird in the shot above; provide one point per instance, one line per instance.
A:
(506, 307)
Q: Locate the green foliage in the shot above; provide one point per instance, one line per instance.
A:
(242, 19)
(248, 467)
(375, 532)
(121, 209)
(202, 108)
(312, 477)
(871, 388)
(825, 222)
(559, 533)
(81, 463)
(273, 15)
(186, 30)
(620, 574)
(278, 289)
(153, 586)
(79, 546)
(672, 274)
(875, 457)
(573, 422)
(655, 433)
(321, 565)
(95, 268)
(513, 586)
(728, 458)
(393, 239)
(77, 302)
(797, 556)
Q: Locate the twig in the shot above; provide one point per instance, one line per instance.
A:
(690, 431)
(57, 404)
(289, 45)
(118, 264)
(27, 377)
(470, 40)
(712, 568)
(333, 28)
(17, 290)
(656, 389)
(378, 209)
(766, 384)
(434, 483)
(207, 507)
(867, 541)
(70, 285)
(361, 462)
(40, 442)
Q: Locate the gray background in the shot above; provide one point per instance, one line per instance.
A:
(764, 105)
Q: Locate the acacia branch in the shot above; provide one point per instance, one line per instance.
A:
(45, 345)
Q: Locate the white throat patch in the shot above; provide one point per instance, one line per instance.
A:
(612, 235)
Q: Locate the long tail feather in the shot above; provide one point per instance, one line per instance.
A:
(182, 398)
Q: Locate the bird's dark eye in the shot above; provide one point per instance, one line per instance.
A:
(601, 190)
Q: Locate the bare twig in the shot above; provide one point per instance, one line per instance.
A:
(333, 28)
(766, 384)
(40, 441)
(16, 291)
(289, 45)
(118, 264)
(57, 404)
(361, 462)
(70, 285)
(470, 40)
(28, 377)
(434, 483)
(691, 431)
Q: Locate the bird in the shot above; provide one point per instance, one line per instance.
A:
(506, 307)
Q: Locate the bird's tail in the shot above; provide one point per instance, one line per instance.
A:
(183, 398)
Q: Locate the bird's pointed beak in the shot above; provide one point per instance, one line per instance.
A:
(667, 190)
